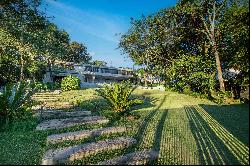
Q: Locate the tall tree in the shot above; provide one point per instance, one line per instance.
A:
(210, 13)
(17, 19)
(98, 63)
(27, 36)
(77, 53)
(235, 33)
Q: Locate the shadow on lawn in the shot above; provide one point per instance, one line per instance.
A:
(212, 142)
(142, 129)
(234, 117)
(146, 121)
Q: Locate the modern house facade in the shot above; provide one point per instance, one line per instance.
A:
(90, 75)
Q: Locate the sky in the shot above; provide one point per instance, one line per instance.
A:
(98, 23)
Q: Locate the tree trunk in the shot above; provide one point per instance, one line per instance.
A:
(219, 70)
(21, 68)
(145, 80)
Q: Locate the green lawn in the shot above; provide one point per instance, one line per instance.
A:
(183, 129)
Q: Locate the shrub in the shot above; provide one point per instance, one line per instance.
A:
(190, 74)
(118, 96)
(70, 83)
(14, 101)
(47, 86)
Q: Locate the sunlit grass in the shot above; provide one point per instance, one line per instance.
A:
(173, 124)
(240, 151)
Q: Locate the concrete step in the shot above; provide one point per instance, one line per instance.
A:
(45, 94)
(45, 97)
(62, 155)
(61, 113)
(68, 122)
(48, 99)
(136, 158)
(55, 138)
(37, 98)
(57, 105)
(55, 92)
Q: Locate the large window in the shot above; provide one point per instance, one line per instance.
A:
(88, 68)
(95, 69)
(113, 71)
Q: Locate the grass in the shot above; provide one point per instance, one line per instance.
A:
(183, 129)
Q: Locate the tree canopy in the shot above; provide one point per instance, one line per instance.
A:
(214, 31)
(30, 43)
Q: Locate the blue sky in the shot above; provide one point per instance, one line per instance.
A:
(96, 23)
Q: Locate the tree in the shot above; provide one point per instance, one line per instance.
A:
(191, 28)
(210, 13)
(98, 63)
(77, 53)
(156, 40)
(18, 18)
(29, 42)
(235, 31)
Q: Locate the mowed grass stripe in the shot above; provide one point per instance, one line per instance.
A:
(240, 151)
(177, 143)
(203, 136)
(146, 126)
(149, 135)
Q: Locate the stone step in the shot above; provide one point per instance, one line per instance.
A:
(62, 155)
(61, 113)
(68, 122)
(34, 96)
(46, 99)
(55, 138)
(136, 158)
(58, 105)
(44, 94)
(55, 92)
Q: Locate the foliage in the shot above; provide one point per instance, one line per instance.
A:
(30, 43)
(118, 96)
(235, 31)
(14, 101)
(47, 86)
(77, 53)
(70, 83)
(98, 63)
(192, 28)
(191, 74)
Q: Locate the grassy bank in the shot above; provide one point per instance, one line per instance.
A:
(183, 129)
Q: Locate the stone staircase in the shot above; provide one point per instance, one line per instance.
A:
(136, 158)
(50, 100)
(60, 113)
(56, 138)
(47, 96)
(69, 122)
(64, 155)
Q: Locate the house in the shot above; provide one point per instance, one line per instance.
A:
(90, 75)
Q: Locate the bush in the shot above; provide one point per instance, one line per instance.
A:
(190, 74)
(70, 83)
(118, 96)
(47, 86)
(14, 101)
